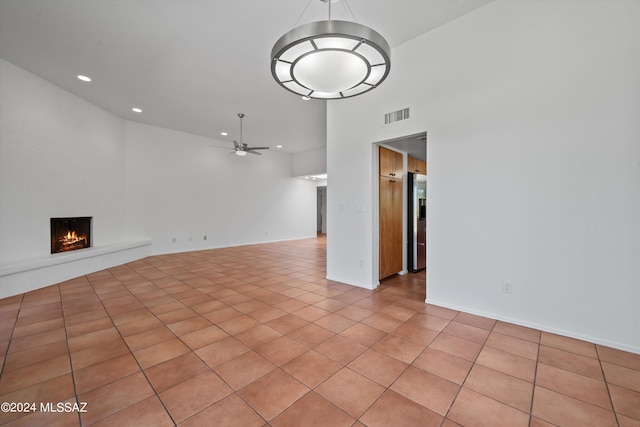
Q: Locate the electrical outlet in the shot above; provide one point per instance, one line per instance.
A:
(173, 240)
(204, 238)
(507, 287)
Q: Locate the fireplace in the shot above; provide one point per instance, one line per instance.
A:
(70, 234)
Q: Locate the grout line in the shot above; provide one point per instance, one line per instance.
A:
(10, 342)
(130, 352)
(288, 274)
(606, 384)
(535, 380)
(66, 337)
(234, 392)
(473, 363)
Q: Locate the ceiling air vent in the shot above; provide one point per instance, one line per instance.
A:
(396, 116)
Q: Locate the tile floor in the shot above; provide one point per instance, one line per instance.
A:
(256, 336)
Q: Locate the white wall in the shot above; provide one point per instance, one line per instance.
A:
(534, 165)
(62, 156)
(59, 157)
(313, 162)
(179, 186)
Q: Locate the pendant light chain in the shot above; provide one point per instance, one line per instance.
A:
(299, 17)
(348, 8)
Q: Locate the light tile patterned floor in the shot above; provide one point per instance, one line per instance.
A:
(255, 336)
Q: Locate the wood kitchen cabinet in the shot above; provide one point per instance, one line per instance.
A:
(390, 218)
(390, 163)
(416, 166)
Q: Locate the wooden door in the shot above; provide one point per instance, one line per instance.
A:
(390, 260)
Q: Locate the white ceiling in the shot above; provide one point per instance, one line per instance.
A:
(413, 145)
(192, 65)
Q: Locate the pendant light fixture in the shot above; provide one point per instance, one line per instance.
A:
(330, 59)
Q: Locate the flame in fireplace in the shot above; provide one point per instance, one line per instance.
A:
(71, 241)
(69, 234)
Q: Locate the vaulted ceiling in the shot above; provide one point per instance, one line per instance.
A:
(192, 65)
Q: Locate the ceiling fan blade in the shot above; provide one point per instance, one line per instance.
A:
(242, 146)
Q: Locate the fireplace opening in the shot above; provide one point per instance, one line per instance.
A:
(70, 234)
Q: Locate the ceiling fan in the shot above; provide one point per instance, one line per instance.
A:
(241, 149)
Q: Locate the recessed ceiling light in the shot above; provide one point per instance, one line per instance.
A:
(136, 110)
(318, 177)
(224, 133)
(278, 146)
(84, 78)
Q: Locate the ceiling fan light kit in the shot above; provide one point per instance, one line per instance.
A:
(241, 149)
(330, 59)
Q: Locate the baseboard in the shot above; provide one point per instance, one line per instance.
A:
(27, 275)
(235, 245)
(349, 282)
(540, 327)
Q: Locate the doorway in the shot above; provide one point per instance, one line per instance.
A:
(413, 150)
(321, 210)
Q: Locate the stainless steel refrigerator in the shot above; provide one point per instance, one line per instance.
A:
(417, 222)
